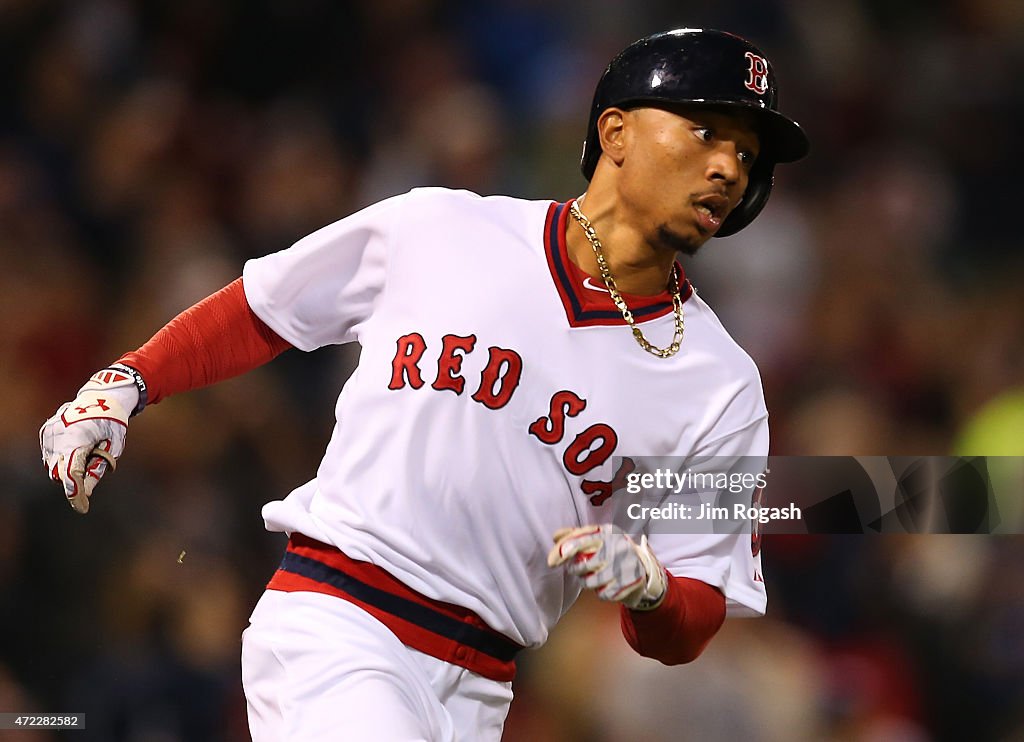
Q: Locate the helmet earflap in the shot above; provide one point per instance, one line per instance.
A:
(759, 187)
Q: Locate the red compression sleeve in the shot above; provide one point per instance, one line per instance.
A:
(216, 339)
(677, 630)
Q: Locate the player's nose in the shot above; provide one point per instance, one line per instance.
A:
(724, 163)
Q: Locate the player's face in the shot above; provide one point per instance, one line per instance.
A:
(684, 169)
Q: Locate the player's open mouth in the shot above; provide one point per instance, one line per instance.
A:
(711, 210)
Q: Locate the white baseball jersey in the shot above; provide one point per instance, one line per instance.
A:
(496, 383)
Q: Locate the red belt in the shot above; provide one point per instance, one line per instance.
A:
(442, 630)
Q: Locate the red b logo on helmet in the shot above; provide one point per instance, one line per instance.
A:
(757, 73)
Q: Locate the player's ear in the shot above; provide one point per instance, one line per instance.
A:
(611, 130)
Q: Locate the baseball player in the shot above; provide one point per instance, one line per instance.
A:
(511, 351)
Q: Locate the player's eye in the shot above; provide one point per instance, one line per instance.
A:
(704, 134)
(747, 157)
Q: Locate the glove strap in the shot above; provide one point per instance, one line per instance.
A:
(143, 395)
(110, 375)
(656, 579)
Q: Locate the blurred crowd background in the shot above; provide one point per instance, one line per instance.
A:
(148, 148)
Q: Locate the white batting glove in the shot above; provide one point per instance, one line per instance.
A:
(85, 437)
(612, 563)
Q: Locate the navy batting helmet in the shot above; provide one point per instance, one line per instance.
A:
(702, 67)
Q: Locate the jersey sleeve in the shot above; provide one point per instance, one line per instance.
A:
(321, 289)
(729, 561)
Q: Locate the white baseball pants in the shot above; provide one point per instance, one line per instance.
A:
(316, 667)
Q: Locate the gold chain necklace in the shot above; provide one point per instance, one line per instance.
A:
(606, 275)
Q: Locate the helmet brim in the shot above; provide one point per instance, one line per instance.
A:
(782, 139)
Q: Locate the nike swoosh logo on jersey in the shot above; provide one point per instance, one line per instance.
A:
(593, 287)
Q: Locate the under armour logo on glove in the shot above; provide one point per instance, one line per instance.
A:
(101, 403)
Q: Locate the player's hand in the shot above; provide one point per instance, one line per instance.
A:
(85, 437)
(612, 563)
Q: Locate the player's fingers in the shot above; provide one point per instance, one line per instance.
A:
(54, 463)
(85, 469)
(570, 546)
(98, 463)
(562, 533)
(46, 444)
(81, 471)
(555, 556)
(48, 435)
(102, 457)
(94, 472)
(79, 503)
(601, 581)
(72, 476)
(616, 593)
(587, 563)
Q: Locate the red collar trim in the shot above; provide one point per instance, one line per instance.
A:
(585, 306)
